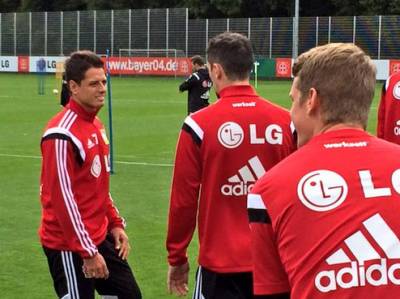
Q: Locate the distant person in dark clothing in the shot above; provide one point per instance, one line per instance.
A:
(64, 97)
(198, 85)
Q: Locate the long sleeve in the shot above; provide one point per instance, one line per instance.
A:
(186, 85)
(269, 276)
(380, 131)
(184, 198)
(114, 219)
(59, 163)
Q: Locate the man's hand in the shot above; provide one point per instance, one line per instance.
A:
(95, 267)
(177, 280)
(121, 242)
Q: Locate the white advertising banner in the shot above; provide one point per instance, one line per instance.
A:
(44, 63)
(8, 64)
(382, 69)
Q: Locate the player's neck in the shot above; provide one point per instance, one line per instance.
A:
(340, 126)
(226, 83)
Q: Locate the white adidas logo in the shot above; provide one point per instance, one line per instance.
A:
(377, 274)
(240, 185)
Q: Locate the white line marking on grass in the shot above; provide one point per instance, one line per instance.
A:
(117, 162)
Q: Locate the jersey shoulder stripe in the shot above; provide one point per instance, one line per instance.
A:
(62, 133)
(257, 210)
(192, 127)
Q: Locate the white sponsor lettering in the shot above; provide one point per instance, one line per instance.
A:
(236, 189)
(370, 191)
(396, 129)
(242, 182)
(375, 275)
(144, 66)
(107, 162)
(243, 104)
(368, 186)
(273, 135)
(346, 144)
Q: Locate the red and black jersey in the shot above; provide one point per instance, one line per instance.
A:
(77, 209)
(325, 221)
(222, 150)
(388, 125)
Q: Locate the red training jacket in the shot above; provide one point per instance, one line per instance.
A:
(77, 209)
(222, 150)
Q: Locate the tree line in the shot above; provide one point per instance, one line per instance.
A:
(217, 8)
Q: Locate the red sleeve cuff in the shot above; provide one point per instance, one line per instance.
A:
(177, 261)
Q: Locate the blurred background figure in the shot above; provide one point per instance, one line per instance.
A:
(198, 85)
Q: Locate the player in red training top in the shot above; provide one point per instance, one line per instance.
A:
(330, 211)
(222, 150)
(388, 126)
(81, 231)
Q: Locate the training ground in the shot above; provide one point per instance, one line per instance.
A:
(147, 116)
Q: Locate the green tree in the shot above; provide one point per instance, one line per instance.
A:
(9, 5)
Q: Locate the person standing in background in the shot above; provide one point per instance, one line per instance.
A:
(198, 85)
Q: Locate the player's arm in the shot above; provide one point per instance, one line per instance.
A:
(183, 205)
(184, 193)
(380, 130)
(116, 226)
(189, 82)
(269, 277)
(60, 158)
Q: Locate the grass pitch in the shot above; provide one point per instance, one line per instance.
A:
(147, 115)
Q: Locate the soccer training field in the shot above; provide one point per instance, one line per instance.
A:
(147, 116)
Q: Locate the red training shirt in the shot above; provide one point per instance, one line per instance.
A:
(222, 150)
(325, 221)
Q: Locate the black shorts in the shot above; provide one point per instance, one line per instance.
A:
(213, 285)
(70, 282)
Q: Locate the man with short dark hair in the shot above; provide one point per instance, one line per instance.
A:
(81, 230)
(222, 150)
(325, 221)
(198, 85)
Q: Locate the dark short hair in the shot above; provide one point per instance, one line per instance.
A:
(79, 62)
(197, 59)
(233, 52)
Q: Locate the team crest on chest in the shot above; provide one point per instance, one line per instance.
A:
(95, 170)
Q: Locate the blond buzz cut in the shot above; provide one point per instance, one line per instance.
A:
(344, 78)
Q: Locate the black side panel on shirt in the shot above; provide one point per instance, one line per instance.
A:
(188, 129)
(65, 137)
(259, 215)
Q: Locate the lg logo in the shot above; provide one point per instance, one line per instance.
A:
(230, 134)
(396, 91)
(322, 190)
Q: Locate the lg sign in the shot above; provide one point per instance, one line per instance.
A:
(231, 134)
(324, 190)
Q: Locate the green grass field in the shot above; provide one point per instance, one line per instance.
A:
(148, 113)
